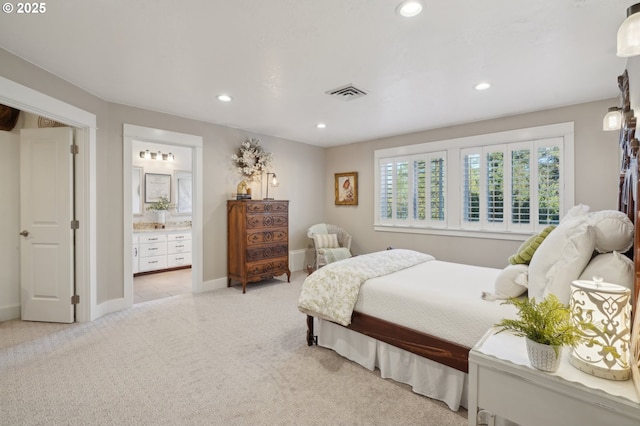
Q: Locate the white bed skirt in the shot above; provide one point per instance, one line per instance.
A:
(426, 377)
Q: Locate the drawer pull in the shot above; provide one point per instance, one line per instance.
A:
(180, 246)
(153, 239)
(153, 248)
(153, 261)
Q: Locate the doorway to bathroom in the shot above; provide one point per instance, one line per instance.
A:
(163, 219)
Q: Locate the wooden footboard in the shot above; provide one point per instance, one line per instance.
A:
(422, 344)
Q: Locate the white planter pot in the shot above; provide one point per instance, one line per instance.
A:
(161, 216)
(544, 357)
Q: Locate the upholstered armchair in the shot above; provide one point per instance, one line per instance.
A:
(330, 243)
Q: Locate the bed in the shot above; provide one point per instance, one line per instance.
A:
(422, 336)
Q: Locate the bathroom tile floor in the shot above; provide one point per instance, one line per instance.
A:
(160, 285)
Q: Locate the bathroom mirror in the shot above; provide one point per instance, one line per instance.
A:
(136, 188)
(184, 188)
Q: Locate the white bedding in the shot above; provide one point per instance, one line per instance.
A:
(439, 298)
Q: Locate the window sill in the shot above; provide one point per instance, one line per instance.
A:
(468, 233)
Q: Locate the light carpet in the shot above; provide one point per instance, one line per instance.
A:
(217, 358)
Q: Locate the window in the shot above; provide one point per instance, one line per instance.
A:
(508, 183)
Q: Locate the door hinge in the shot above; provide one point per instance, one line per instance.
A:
(75, 299)
(74, 149)
(75, 224)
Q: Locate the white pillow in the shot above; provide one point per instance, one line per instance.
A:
(613, 231)
(614, 268)
(326, 240)
(560, 259)
(579, 211)
(511, 282)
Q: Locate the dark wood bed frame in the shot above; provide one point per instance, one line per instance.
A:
(455, 355)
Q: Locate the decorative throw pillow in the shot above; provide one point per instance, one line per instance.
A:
(560, 259)
(613, 231)
(526, 250)
(511, 282)
(326, 240)
(614, 268)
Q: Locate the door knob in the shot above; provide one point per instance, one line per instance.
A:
(25, 233)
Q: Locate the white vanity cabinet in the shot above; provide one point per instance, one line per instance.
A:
(178, 249)
(153, 251)
(162, 250)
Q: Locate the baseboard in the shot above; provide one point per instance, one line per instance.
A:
(10, 313)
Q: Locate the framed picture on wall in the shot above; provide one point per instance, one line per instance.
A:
(346, 185)
(156, 186)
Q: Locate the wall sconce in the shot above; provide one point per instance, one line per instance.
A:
(612, 120)
(148, 155)
(629, 33)
(607, 307)
(273, 182)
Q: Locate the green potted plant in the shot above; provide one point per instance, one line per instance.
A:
(161, 207)
(547, 326)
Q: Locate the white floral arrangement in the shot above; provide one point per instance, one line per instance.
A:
(251, 160)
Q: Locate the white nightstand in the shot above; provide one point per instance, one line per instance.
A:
(502, 381)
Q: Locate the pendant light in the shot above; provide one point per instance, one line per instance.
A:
(629, 33)
(612, 120)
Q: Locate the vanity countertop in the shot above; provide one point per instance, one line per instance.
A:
(141, 228)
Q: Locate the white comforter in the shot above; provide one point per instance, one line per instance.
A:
(408, 288)
(439, 298)
(331, 292)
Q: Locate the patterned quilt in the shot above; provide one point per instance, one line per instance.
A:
(331, 292)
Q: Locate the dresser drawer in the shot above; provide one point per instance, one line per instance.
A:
(257, 221)
(179, 246)
(153, 249)
(152, 263)
(267, 207)
(266, 252)
(152, 238)
(266, 237)
(178, 259)
(179, 236)
(268, 268)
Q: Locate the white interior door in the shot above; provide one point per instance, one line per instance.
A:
(46, 211)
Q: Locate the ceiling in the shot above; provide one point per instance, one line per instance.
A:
(277, 58)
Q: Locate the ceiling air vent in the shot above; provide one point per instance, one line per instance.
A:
(347, 93)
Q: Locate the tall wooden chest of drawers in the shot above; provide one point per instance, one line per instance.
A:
(257, 240)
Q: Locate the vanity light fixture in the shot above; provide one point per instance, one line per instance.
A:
(629, 33)
(321, 126)
(148, 155)
(224, 98)
(612, 120)
(409, 8)
(482, 86)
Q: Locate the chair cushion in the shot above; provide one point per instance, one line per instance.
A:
(326, 241)
(334, 254)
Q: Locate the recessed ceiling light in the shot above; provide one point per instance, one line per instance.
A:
(409, 8)
(321, 125)
(224, 98)
(482, 86)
